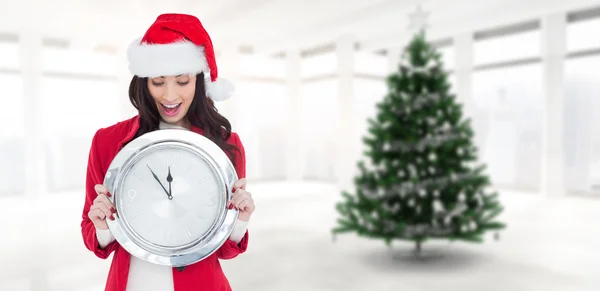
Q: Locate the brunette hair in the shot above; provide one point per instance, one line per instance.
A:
(202, 113)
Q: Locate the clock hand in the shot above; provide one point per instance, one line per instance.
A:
(170, 179)
(161, 185)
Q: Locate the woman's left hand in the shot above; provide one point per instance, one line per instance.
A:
(242, 200)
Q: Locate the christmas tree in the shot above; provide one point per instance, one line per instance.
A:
(420, 179)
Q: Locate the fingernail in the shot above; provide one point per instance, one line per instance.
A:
(112, 209)
(108, 194)
(112, 217)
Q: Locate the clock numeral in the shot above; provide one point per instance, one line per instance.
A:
(151, 227)
(131, 194)
(135, 175)
(190, 166)
(188, 231)
(168, 235)
(172, 160)
(136, 215)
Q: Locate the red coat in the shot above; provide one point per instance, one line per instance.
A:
(204, 275)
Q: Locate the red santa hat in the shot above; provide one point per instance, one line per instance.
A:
(178, 44)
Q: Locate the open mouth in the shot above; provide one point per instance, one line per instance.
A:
(171, 109)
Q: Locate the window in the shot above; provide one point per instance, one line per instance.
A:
(97, 104)
(319, 65)
(12, 135)
(9, 56)
(581, 103)
(521, 42)
(579, 32)
(508, 123)
(12, 131)
(507, 89)
(13, 115)
(452, 79)
(448, 57)
(261, 67)
(367, 93)
(263, 127)
(368, 63)
(319, 103)
(71, 61)
(582, 123)
(73, 109)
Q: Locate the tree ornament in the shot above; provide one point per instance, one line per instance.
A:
(420, 142)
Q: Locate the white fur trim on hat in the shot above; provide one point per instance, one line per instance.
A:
(154, 60)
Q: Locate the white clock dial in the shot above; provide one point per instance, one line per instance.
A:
(174, 218)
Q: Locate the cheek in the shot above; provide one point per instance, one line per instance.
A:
(187, 93)
(155, 92)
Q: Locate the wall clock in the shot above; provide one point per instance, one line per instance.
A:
(171, 188)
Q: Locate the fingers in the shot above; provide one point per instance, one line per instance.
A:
(242, 200)
(101, 190)
(101, 203)
(104, 199)
(240, 184)
(99, 212)
(238, 196)
(246, 205)
(96, 213)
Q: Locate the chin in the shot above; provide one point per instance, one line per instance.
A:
(173, 119)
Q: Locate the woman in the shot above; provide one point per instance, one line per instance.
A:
(174, 85)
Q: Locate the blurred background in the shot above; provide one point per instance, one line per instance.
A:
(308, 75)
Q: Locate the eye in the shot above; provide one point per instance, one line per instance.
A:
(157, 83)
(184, 83)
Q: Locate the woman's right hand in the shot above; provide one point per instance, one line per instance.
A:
(101, 208)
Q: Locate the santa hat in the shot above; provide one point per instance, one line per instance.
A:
(178, 44)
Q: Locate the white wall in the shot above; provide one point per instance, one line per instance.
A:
(502, 83)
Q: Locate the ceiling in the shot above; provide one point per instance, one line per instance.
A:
(269, 26)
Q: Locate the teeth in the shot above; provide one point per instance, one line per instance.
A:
(171, 106)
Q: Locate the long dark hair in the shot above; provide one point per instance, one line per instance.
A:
(202, 113)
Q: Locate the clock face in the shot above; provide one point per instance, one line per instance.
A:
(170, 214)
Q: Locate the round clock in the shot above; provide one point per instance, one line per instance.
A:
(171, 188)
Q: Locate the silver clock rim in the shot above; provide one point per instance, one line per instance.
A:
(219, 231)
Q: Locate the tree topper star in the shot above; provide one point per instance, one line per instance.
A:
(418, 19)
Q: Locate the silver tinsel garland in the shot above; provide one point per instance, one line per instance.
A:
(431, 141)
(404, 188)
(419, 102)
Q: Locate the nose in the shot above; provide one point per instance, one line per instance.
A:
(170, 94)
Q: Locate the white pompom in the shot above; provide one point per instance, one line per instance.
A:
(219, 90)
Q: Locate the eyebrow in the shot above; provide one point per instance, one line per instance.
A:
(175, 76)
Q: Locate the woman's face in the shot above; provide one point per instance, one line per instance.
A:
(173, 96)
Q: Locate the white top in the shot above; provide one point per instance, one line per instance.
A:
(144, 276)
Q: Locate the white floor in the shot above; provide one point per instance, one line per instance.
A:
(550, 245)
